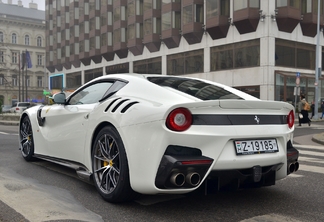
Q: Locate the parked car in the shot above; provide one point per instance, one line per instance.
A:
(5, 108)
(19, 107)
(155, 134)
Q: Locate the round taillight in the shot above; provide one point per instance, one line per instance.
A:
(291, 119)
(179, 119)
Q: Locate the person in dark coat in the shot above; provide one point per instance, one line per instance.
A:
(322, 108)
(303, 114)
(313, 109)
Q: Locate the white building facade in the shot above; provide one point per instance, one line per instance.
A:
(21, 29)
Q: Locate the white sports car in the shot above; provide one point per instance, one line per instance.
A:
(155, 134)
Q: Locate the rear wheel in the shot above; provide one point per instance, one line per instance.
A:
(26, 139)
(110, 166)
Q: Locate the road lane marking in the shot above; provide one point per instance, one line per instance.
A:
(312, 160)
(304, 152)
(12, 134)
(318, 147)
(313, 169)
(271, 218)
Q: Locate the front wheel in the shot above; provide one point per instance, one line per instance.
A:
(110, 166)
(26, 139)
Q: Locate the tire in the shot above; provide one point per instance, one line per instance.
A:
(26, 139)
(110, 167)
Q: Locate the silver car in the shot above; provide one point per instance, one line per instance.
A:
(19, 107)
(5, 108)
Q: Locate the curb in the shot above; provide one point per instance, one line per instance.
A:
(318, 138)
(10, 123)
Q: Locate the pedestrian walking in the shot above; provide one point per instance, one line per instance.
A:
(322, 108)
(313, 109)
(303, 108)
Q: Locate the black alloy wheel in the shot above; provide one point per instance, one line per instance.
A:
(110, 166)
(26, 139)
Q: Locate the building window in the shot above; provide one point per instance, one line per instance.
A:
(26, 39)
(104, 19)
(1, 56)
(131, 9)
(148, 4)
(39, 41)
(1, 79)
(169, 1)
(27, 80)
(282, 3)
(14, 38)
(295, 3)
(1, 36)
(14, 80)
(187, 14)
(39, 60)
(119, 68)
(199, 13)
(14, 58)
(238, 5)
(116, 14)
(148, 26)
(39, 81)
(238, 55)
(152, 66)
(251, 90)
(217, 7)
(171, 20)
(285, 87)
(242, 4)
(92, 74)
(247, 54)
(294, 54)
(73, 80)
(131, 31)
(212, 8)
(186, 63)
(166, 21)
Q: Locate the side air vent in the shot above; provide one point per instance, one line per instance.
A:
(122, 103)
(118, 104)
(111, 104)
(128, 106)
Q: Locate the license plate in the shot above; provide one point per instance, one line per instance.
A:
(247, 147)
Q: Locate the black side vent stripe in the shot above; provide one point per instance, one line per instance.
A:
(128, 106)
(239, 119)
(116, 107)
(111, 104)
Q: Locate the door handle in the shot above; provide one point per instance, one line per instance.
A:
(86, 116)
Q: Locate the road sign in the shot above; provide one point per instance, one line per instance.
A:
(297, 81)
(298, 74)
(296, 91)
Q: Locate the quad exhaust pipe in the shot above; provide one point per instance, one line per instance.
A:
(193, 179)
(293, 167)
(179, 179)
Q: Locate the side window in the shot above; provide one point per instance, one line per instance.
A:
(90, 94)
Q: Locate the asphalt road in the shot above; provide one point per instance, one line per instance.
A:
(42, 191)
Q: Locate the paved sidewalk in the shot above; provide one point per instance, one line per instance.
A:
(317, 138)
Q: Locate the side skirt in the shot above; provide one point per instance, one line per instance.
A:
(82, 172)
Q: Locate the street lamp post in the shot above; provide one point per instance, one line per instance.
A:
(318, 70)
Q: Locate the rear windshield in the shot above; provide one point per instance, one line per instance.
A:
(193, 87)
(23, 104)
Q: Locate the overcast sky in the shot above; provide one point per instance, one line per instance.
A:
(40, 3)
